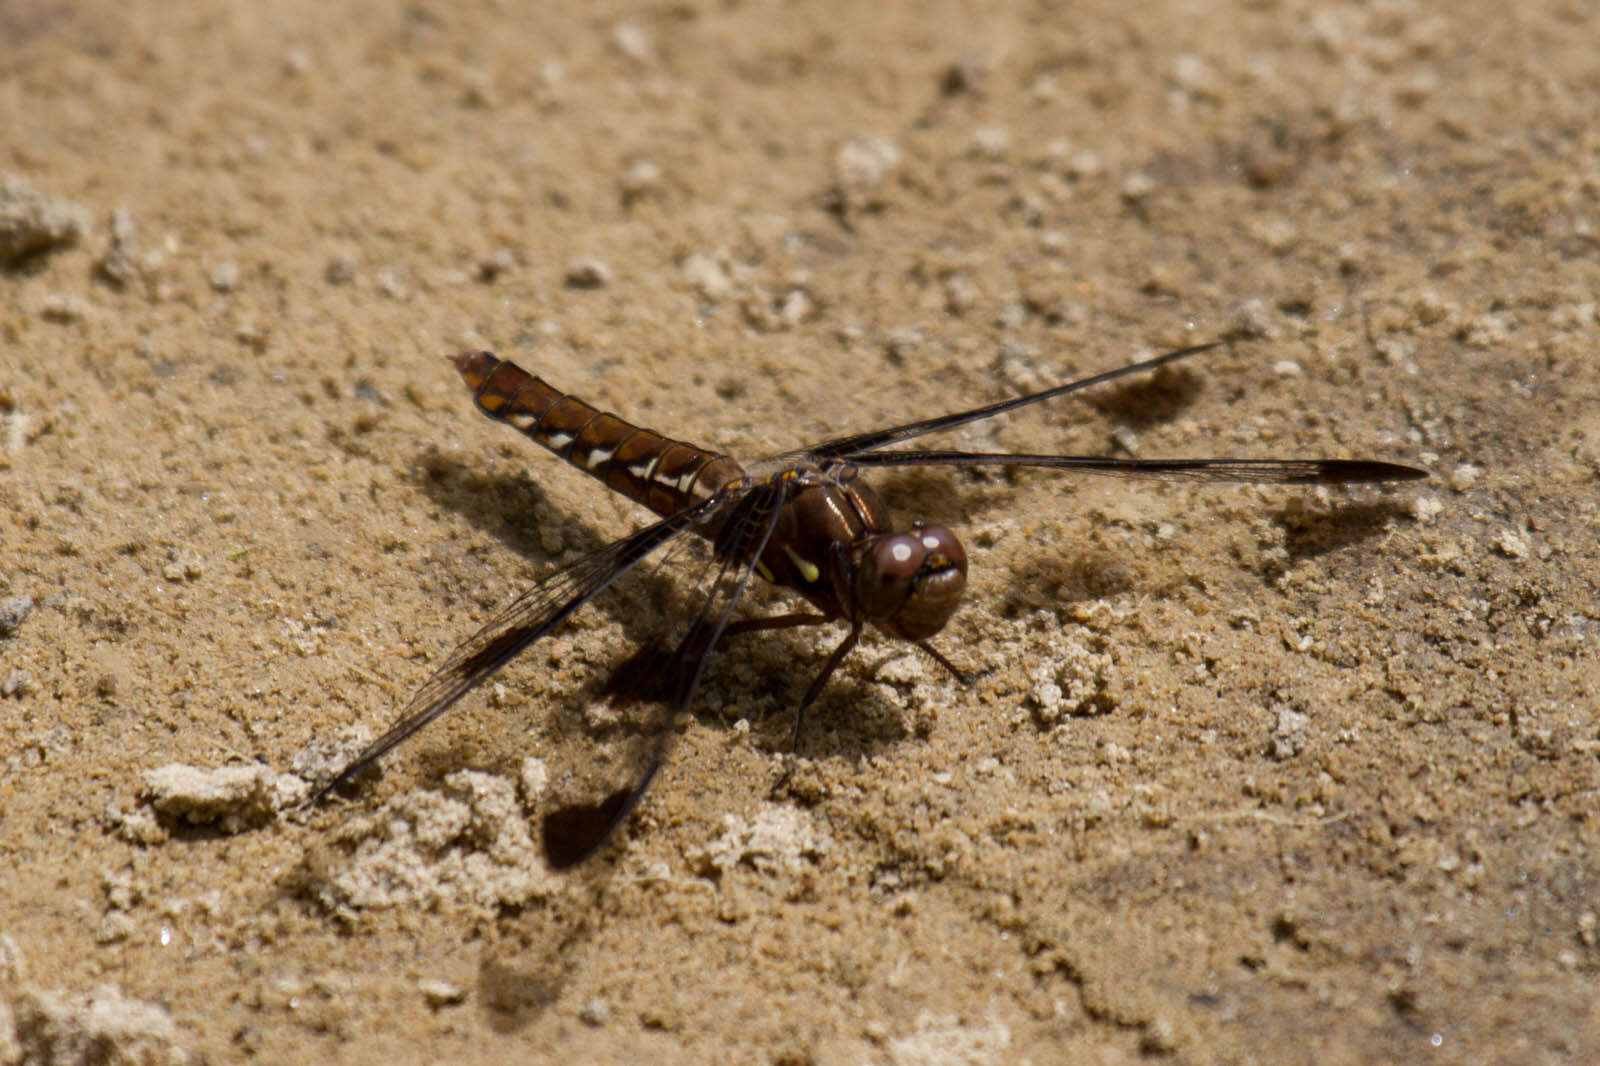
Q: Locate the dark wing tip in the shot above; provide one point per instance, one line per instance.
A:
(575, 832)
(342, 783)
(1348, 471)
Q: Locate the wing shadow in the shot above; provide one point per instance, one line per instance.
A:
(1313, 533)
(493, 504)
(1140, 404)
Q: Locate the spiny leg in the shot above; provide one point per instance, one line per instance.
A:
(962, 678)
(652, 671)
(815, 690)
(812, 693)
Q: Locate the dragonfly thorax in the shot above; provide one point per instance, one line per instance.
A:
(835, 543)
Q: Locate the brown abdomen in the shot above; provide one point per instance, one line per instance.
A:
(664, 475)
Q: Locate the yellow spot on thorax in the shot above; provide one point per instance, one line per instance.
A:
(808, 570)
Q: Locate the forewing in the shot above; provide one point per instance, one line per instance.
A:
(1260, 471)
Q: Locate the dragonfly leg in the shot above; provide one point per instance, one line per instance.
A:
(962, 678)
(815, 690)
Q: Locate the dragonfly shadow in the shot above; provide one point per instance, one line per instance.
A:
(1142, 404)
(1050, 580)
(518, 513)
(495, 503)
(1312, 533)
(532, 954)
(850, 717)
(924, 494)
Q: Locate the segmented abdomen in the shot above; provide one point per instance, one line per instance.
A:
(664, 475)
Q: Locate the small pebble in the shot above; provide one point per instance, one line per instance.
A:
(13, 610)
(225, 276)
(439, 993)
(586, 272)
(596, 1012)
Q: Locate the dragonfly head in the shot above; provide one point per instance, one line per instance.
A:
(909, 584)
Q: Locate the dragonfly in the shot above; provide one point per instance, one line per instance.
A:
(805, 521)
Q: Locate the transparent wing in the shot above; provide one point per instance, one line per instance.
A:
(1271, 471)
(532, 615)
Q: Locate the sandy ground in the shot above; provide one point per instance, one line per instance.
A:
(1256, 775)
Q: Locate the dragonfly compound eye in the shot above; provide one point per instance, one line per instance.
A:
(909, 584)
